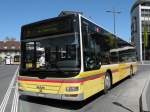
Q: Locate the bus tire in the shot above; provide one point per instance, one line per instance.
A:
(131, 71)
(107, 82)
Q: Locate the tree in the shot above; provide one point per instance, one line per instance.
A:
(10, 38)
(7, 38)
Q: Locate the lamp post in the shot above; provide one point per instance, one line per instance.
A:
(114, 12)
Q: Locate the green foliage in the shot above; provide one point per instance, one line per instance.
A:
(145, 36)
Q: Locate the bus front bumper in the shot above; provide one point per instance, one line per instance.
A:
(76, 97)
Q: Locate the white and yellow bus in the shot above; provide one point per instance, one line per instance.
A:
(79, 58)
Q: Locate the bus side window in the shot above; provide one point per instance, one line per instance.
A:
(104, 50)
(89, 49)
(114, 57)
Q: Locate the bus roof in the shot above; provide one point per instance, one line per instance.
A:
(121, 42)
(122, 49)
(45, 20)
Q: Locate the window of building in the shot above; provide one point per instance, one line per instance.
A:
(145, 4)
(5, 47)
(145, 12)
(13, 47)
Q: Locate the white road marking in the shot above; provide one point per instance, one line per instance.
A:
(15, 100)
(8, 92)
(143, 64)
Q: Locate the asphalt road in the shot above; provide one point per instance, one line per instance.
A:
(6, 91)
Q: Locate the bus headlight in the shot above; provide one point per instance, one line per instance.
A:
(72, 89)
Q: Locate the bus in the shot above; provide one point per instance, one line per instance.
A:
(69, 57)
(16, 60)
(8, 60)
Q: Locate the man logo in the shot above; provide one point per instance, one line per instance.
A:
(40, 88)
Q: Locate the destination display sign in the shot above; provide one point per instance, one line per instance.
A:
(49, 27)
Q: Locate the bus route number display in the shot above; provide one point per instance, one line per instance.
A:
(61, 26)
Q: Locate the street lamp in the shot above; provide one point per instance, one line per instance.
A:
(114, 12)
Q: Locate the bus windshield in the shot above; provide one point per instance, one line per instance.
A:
(53, 53)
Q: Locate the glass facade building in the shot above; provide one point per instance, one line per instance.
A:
(140, 28)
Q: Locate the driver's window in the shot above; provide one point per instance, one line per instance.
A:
(29, 55)
(40, 55)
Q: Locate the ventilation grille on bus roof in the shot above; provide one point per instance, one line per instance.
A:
(64, 13)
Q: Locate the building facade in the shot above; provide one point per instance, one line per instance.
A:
(140, 28)
(9, 52)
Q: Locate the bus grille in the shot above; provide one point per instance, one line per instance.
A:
(41, 87)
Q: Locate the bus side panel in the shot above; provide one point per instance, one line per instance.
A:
(122, 70)
(115, 76)
(113, 68)
(94, 84)
(126, 67)
(135, 67)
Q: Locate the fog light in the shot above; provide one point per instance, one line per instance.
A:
(72, 89)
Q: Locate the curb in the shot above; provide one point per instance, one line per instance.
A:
(144, 101)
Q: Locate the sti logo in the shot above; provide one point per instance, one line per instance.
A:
(97, 29)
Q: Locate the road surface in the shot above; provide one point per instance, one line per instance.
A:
(7, 87)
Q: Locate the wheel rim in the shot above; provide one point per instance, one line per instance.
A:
(107, 82)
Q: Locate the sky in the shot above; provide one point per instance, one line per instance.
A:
(15, 13)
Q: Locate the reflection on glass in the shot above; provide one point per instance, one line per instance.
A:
(53, 53)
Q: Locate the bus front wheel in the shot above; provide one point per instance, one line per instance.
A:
(107, 82)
